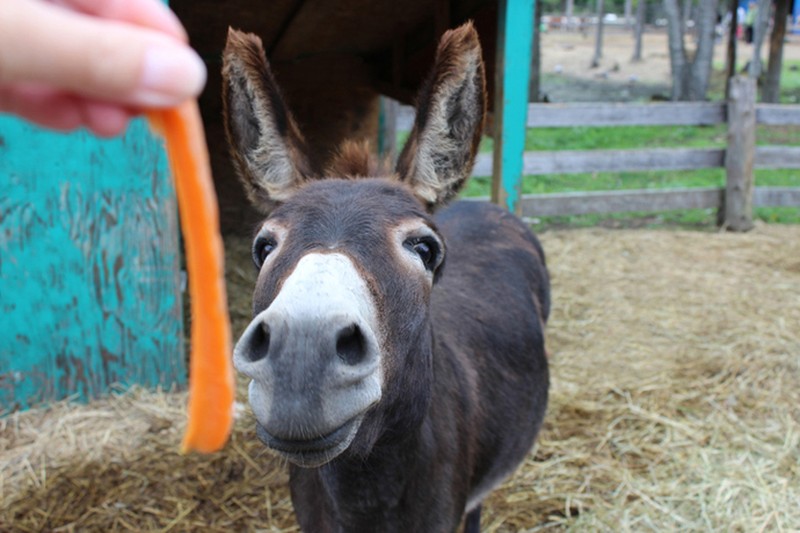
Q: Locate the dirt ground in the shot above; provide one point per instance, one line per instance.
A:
(567, 76)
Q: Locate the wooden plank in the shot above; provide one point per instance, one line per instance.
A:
(89, 265)
(776, 197)
(778, 114)
(581, 203)
(777, 157)
(613, 114)
(512, 73)
(740, 155)
(599, 202)
(575, 161)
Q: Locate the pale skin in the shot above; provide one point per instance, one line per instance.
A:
(66, 64)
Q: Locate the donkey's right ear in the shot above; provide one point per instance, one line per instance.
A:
(266, 145)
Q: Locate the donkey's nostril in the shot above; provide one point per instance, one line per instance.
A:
(258, 344)
(351, 345)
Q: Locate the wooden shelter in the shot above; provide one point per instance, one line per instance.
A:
(333, 60)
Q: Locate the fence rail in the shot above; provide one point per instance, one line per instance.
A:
(739, 157)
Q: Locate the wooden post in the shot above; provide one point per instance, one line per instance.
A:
(512, 75)
(740, 155)
(387, 130)
(89, 265)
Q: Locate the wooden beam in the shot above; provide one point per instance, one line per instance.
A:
(582, 203)
(648, 200)
(512, 74)
(387, 130)
(778, 114)
(574, 161)
(776, 197)
(777, 157)
(605, 114)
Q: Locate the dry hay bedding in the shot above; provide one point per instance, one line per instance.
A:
(675, 405)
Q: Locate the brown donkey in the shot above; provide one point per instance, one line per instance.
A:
(400, 390)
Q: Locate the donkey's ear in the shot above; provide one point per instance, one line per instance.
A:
(267, 148)
(438, 156)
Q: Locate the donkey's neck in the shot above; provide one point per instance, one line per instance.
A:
(379, 492)
(415, 483)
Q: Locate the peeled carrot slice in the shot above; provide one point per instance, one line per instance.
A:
(211, 387)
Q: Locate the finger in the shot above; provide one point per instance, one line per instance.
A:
(42, 106)
(107, 60)
(105, 120)
(148, 13)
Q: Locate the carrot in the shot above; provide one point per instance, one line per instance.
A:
(211, 388)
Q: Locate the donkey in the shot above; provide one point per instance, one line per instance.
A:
(400, 391)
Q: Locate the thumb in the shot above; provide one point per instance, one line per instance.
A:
(95, 58)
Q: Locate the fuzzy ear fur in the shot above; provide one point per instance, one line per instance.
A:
(267, 148)
(438, 156)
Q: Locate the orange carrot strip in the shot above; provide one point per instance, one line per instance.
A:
(211, 388)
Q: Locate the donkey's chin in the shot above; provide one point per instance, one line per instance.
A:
(314, 452)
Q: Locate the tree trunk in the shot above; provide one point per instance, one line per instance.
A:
(628, 11)
(638, 30)
(700, 70)
(771, 92)
(759, 31)
(733, 6)
(690, 78)
(569, 12)
(598, 44)
(686, 14)
(534, 89)
(677, 52)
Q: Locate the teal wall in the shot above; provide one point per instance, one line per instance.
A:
(89, 265)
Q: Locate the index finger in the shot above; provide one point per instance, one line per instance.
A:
(152, 14)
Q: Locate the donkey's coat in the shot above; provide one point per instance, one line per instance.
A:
(401, 390)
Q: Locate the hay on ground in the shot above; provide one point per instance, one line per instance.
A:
(674, 405)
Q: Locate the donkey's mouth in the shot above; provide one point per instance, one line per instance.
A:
(310, 453)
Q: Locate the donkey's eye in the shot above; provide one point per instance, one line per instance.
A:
(261, 249)
(427, 249)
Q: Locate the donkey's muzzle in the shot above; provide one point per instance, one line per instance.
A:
(314, 360)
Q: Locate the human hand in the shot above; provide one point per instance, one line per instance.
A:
(93, 63)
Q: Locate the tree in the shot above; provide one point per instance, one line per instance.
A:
(691, 75)
(759, 31)
(733, 6)
(638, 29)
(772, 84)
(534, 89)
(598, 44)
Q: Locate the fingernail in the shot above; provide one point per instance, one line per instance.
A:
(170, 74)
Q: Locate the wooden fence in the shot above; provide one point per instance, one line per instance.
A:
(739, 157)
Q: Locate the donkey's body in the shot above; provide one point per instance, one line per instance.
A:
(402, 390)
(488, 394)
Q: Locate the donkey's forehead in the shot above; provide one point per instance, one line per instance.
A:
(338, 204)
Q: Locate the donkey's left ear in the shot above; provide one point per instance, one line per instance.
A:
(438, 156)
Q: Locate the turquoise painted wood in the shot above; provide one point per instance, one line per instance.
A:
(512, 75)
(89, 265)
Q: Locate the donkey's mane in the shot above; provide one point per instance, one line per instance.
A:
(354, 159)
